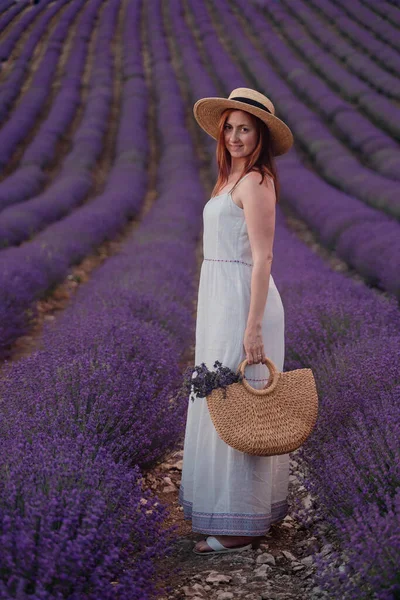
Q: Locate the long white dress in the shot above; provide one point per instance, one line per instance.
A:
(224, 491)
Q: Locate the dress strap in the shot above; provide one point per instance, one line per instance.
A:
(237, 183)
(244, 177)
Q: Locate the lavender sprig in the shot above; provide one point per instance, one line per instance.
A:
(206, 381)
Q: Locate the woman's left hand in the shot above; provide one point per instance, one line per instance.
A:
(253, 345)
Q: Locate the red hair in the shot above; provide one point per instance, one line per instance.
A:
(260, 160)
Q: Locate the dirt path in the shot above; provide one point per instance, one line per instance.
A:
(281, 569)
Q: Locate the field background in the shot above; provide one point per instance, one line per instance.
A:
(104, 174)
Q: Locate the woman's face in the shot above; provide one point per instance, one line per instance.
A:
(240, 134)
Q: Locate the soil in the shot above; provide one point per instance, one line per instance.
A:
(282, 568)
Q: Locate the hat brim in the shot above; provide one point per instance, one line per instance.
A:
(208, 111)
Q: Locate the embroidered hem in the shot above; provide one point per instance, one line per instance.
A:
(232, 523)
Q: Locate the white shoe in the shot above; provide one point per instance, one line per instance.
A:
(218, 548)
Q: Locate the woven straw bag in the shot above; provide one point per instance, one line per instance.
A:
(274, 420)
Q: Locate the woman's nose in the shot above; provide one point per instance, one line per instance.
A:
(235, 136)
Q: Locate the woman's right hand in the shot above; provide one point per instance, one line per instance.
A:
(253, 345)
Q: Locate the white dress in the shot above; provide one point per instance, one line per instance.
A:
(224, 491)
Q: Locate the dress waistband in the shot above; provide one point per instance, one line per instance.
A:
(229, 260)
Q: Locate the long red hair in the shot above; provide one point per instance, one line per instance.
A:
(260, 160)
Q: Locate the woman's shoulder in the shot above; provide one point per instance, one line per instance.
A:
(255, 178)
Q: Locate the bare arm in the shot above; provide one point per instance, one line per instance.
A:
(259, 210)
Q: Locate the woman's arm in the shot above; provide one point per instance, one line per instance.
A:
(259, 210)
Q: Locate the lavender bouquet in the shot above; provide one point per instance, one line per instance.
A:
(206, 381)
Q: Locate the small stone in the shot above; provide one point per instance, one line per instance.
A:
(225, 596)
(265, 558)
(239, 579)
(288, 555)
(168, 480)
(195, 591)
(197, 587)
(262, 572)
(298, 567)
(307, 561)
(327, 549)
(169, 489)
(307, 573)
(215, 577)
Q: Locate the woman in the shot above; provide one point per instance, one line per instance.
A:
(228, 493)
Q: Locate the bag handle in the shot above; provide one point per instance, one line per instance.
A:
(273, 372)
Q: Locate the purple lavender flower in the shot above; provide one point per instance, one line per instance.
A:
(206, 381)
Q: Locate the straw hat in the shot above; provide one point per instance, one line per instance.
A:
(207, 112)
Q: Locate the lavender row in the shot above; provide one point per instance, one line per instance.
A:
(10, 12)
(377, 27)
(366, 239)
(332, 158)
(7, 45)
(5, 5)
(350, 337)
(382, 154)
(72, 185)
(99, 532)
(379, 51)
(355, 61)
(392, 2)
(11, 87)
(30, 178)
(380, 68)
(119, 345)
(385, 10)
(23, 118)
(29, 271)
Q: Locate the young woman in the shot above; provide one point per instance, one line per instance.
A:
(227, 493)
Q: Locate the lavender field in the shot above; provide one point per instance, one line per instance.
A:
(103, 178)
